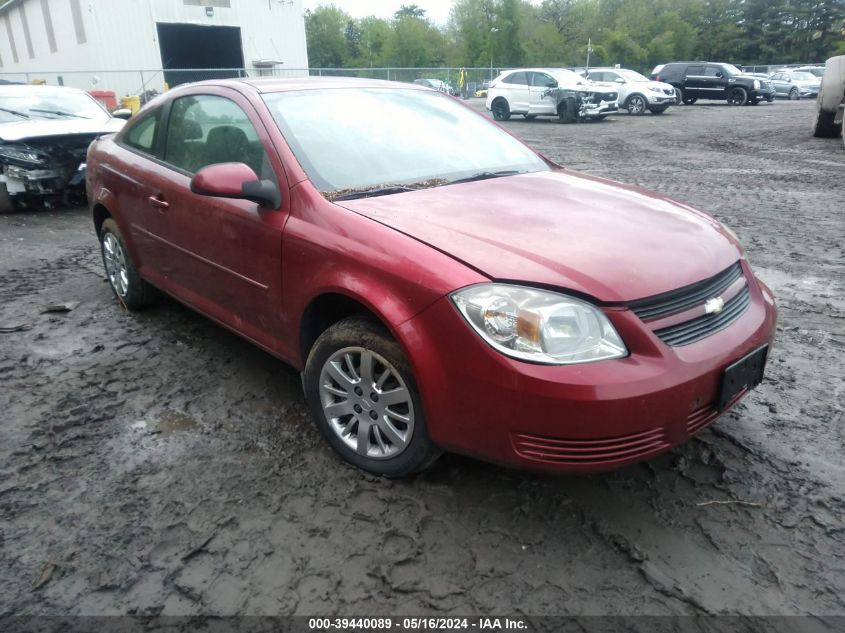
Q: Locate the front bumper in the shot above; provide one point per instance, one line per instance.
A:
(576, 418)
(660, 100)
(601, 109)
(38, 181)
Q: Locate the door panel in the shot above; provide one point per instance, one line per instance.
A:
(221, 255)
(516, 91)
(539, 86)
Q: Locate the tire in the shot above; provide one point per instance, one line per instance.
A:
(679, 95)
(824, 127)
(396, 443)
(636, 105)
(128, 286)
(753, 101)
(658, 109)
(689, 100)
(7, 205)
(567, 110)
(501, 109)
(738, 96)
(794, 94)
(770, 99)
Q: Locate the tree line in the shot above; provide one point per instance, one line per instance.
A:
(634, 33)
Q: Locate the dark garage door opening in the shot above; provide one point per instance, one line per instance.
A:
(193, 46)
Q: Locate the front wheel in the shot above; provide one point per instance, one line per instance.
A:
(127, 285)
(737, 96)
(501, 110)
(636, 105)
(794, 94)
(364, 399)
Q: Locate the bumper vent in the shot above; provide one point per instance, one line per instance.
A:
(704, 326)
(607, 451)
(701, 418)
(662, 305)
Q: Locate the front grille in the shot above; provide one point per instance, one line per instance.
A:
(590, 452)
(678, 300)
(708, 324)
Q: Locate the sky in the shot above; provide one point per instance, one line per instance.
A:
(436, 10)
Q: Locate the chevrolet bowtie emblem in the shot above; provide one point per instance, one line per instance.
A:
(714, 305)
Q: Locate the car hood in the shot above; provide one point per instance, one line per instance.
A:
(37, 128)
(610, 241)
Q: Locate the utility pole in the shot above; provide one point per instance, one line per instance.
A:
(589, 50)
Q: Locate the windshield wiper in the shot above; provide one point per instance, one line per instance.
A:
(382, 190)
(59, 113)
(15, 112)
(485, 175)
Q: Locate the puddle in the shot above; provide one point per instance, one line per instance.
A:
(170, 422)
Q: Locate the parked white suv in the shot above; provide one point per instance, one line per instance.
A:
(534, 92)
(637, 93)
(831, 100)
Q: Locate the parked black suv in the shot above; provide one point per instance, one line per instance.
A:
(711, 80)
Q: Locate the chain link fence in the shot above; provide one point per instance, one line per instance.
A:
(146, 82)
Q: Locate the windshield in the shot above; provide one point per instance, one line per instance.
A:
(35, 104)
(731, 69)
(631, 75)
(802, 76)
(816, 72)
(354, 139)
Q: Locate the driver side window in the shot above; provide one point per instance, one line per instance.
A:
(206, 130)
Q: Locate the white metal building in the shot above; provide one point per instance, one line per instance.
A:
(122, 45)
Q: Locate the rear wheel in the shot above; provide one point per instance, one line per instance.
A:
(501, 110)
(824, 127)
(794, 94)
(689, 100)
(737, 96)
(636, 105)
(364, 399)
(679, 95)
(127, 285)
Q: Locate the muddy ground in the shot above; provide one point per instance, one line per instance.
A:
(154, 463)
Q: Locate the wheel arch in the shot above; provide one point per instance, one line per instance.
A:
(100, 214)
(631, 96)
(328, 308)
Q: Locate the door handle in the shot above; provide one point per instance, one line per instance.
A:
(158, 202)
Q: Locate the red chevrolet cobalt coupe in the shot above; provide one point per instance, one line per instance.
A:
(439, 284)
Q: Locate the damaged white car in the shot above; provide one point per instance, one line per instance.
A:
(534, 92)
(44, 136)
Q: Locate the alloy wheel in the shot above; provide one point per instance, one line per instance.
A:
(116, 268)
(367, 403)
(636, 105)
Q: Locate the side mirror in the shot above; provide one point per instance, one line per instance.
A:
(122, 113)
(238, 181)
(619, 80)
(719, 75)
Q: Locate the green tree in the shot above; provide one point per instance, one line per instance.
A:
(325, 36)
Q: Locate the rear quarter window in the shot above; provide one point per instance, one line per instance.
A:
(519, 78)
(143, 134)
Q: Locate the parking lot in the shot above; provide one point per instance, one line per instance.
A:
(155, 463)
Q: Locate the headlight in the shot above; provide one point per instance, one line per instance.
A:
(539, 326)
(23, 155)
(757, 84)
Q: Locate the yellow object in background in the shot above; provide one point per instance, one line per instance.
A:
(132, 102)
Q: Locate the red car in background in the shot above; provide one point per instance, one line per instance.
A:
(439, 284)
